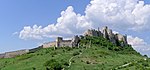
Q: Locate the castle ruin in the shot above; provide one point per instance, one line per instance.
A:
(117, 39)
(62, 43)
(13, 53)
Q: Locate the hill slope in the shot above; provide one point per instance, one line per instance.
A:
(94, 53)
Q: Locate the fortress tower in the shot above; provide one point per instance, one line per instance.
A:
(58, 41)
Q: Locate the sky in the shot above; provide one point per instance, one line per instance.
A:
(26, 24)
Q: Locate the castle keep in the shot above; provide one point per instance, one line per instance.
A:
(117, 39)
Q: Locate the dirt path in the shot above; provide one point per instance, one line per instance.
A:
(71, 59)
(127, 64)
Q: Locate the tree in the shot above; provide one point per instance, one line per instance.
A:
(53, 65)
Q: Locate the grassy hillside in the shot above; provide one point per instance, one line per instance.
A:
(94, 53)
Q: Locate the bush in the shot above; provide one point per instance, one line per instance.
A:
(116, 49)
(26, 56)
(145, 64)
(64, 62)
(87, 62)
(80, 50)
(73, 61)
(76, 53)
(53, 53)
(33, 68)
(68, 48)
(110, 48)
(53, 65)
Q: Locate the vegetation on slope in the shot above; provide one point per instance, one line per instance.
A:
(94, 53)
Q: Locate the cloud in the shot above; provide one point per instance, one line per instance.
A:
(117, 14)
(15, 33)
(67, 25)
(139, 45)
(121, 14)
(34, 32)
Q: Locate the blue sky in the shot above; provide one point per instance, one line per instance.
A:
(17, 14)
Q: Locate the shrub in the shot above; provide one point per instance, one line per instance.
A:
(76, 53)
(53, 53)
(68, 48)
(66, 64)
(116, 49)
(87, 62)
(33, 68)
(63, 50)
(82, 61)
(53, 65)
(145, 64)
(26, 56)
(73, 61)
(80, 50)
(95, 48)
(110, 48)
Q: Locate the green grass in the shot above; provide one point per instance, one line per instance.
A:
(95, 53)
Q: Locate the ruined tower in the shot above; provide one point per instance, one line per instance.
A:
(75, 41)
(105, 33)
(58, 40)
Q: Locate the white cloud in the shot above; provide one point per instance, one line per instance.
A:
(67, 25)
(136, 41)
(121, 14)
(15, 33)
(117, 14)
(34, 32)
(139, 45)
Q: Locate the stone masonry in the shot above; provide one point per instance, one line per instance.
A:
(13, 53)
(118, 39)
(62, 43)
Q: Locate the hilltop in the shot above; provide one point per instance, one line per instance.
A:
(95, 53)
(105, 32)
(95, 50)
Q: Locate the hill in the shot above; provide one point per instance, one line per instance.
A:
(94, 53)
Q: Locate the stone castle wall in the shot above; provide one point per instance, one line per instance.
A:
(92, 33)
(57, 43)
(65, 43)
(49, 44)
(2, 55)
(13, 53)
(62, 43)
(105, 32)
(109, 35)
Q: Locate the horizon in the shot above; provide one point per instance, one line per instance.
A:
(27, 24)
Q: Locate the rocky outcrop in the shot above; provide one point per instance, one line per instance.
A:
(118, 39)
